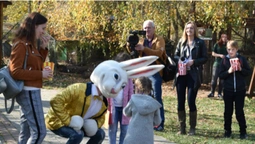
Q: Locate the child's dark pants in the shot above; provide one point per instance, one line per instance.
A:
(236, 99)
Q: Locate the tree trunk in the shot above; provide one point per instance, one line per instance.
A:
(229, 28)
(175, 25)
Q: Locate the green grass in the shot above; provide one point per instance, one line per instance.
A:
(210, 122)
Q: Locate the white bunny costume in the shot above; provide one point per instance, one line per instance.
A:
(83, 106)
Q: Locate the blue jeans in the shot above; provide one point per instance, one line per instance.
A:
(113, 128)
(157, 87)
(32, 123)
(76, 137)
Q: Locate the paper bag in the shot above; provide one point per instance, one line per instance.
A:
(234, 63)
(182, 69)
(48, 65)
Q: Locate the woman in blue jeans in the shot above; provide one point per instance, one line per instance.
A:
(32, 29)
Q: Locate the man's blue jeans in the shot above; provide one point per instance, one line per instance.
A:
(157, 87)
(76, 137)
(113, 128)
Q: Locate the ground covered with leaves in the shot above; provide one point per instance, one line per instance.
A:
(62, 80)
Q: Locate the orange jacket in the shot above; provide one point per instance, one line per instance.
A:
(157, 49)
(32, 75)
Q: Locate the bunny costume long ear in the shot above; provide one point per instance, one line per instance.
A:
(144, 71)
(138, 67)
(111, 76)
(138, 62)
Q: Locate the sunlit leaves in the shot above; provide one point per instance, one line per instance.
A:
(16, 12)
(109, 22)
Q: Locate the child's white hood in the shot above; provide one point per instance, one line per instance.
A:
(145, 104)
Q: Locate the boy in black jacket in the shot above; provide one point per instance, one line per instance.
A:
(234, 88)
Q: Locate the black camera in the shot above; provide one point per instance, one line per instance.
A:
(133, 40)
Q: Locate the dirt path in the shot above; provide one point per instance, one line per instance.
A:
(167, 90)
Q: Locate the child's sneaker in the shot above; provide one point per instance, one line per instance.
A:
(243, 136)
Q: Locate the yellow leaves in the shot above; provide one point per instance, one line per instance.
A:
(11, 11)
(93, 19)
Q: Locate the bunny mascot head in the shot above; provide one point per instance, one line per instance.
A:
(82, 106)
(111, 76)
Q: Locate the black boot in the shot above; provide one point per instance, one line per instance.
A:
(227, 134)
(243, 133)
(182, 121)
(192, 122)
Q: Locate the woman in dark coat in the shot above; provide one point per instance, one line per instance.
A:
(192, 51)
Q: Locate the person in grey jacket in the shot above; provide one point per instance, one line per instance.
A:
(145, 113)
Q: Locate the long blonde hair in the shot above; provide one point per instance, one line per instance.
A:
(184, 35)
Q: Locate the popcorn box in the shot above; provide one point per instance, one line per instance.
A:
(48, 65)
(234, 63)
(182, 69)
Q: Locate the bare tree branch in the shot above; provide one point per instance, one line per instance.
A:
(238, 34)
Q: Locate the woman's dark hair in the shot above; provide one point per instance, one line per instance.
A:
(220, 42)
(27, 28)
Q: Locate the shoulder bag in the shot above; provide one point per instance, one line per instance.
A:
(10, 87)
(169, 71)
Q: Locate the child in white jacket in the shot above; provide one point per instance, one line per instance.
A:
(144, 112)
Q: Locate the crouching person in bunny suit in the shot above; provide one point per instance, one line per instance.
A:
(79, 110)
